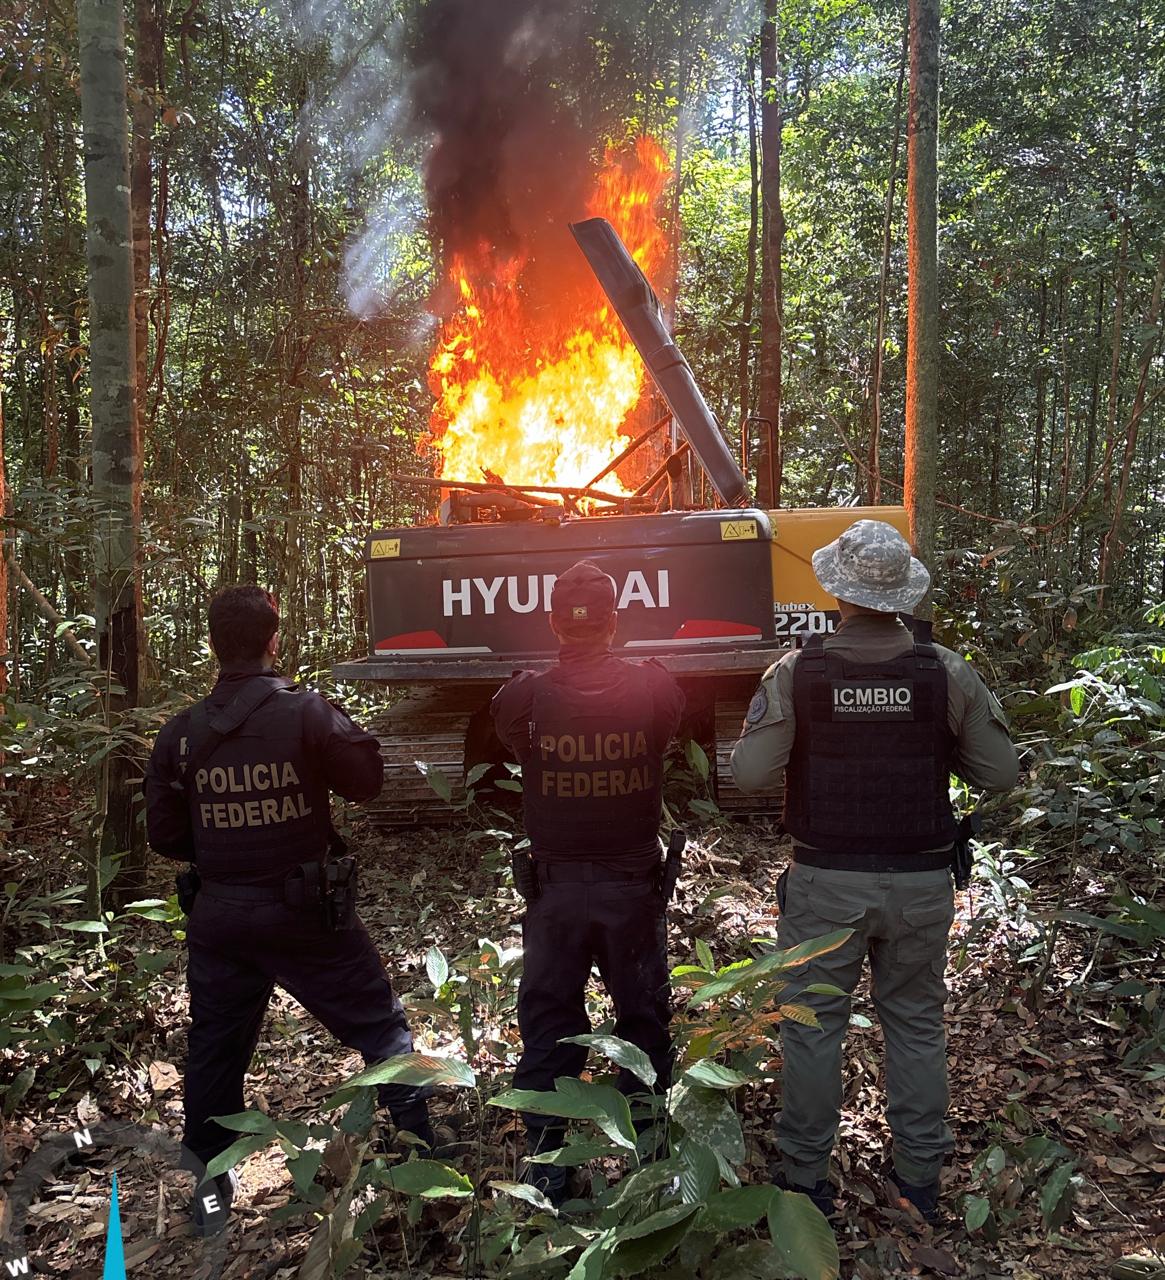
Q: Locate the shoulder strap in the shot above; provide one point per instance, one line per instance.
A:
(208, 730)
(812, 654)
(925, 656)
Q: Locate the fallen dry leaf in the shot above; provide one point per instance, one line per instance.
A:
(164, 1076)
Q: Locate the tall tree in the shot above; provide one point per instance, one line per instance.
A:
(117, 463)
(147, 72)
(743, 360)
(922, 339)
(1111, 545)
(874, 464)
(5, 534)
(769, 455)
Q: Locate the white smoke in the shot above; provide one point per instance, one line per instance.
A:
(360, 133)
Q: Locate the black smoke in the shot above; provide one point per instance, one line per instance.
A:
(509, 93)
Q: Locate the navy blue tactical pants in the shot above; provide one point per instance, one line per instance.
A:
(238, 952)
(620, 927)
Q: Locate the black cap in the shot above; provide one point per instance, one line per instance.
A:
(583, 598)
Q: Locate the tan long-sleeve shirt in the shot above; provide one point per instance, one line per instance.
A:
(985, 756)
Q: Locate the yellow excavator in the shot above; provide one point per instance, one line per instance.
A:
(454, 608)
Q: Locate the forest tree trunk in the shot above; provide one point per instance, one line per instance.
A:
(147, 62)
(874, 462)
(1111, 546)
(922, 344)
(7, 533)
(750, 268)
(116, 438)
(769, 455)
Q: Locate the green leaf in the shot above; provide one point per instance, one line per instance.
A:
(707, 1117)
(361, 1113)
(86, 926)
(436, 966)
(621, 1052)
(976, 1212)
(436, 779)
(17, 1090)
(757, 1260)
(639, 1186)
(429, 1179)
(303, 1169)
(700, 1172)
(475, 775)
(247, 1122)
(576, 1153)
(240, 1149)
(154, 962)
(813, 948)
(715, 1075)
(524, 1191)
(736, 977)
(541, 1249)
(736, 1208)
(704, 954)
(407, 1068)
(697, 759)
(798, 1013)
(803, 1237)
(576, 1100)
(1056, 1197)
(823, 989)
(295, 1132)
(648, 1243)
(592, 1262)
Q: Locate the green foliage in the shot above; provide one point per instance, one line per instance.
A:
(475, 996)
(1097, 776)
(1010, 1171)
(72, 983)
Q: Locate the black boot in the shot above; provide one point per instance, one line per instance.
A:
(551, 1179)
(923, 1198)
(211, 1206)
(821, 1193)
(414, 1118)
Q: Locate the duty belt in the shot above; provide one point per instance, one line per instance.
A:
(932, 861)
(581, 872)
(326, 887)
(243, 892)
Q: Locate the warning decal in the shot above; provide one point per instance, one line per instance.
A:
(384, 549)
(738, 531)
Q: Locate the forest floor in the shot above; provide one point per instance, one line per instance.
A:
(1031, 1050)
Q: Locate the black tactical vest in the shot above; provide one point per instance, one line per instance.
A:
(592, 782)
(871, 761)
(258, 806)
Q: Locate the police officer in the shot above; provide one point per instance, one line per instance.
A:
(867, 728)
(238, 785)
(590, 734)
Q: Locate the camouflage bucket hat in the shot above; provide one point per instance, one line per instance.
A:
(871, 565)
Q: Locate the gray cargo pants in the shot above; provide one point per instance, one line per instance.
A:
(900, 920)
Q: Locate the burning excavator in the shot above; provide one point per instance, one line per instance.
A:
(454, 608)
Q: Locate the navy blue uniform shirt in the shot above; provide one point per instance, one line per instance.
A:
(259, 806)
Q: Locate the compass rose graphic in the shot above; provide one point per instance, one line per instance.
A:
(51, 1159)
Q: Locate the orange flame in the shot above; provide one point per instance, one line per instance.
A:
(538, 399)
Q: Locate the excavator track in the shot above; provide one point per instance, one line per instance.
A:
(427, 725)
(432, 725)
(729, 718)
